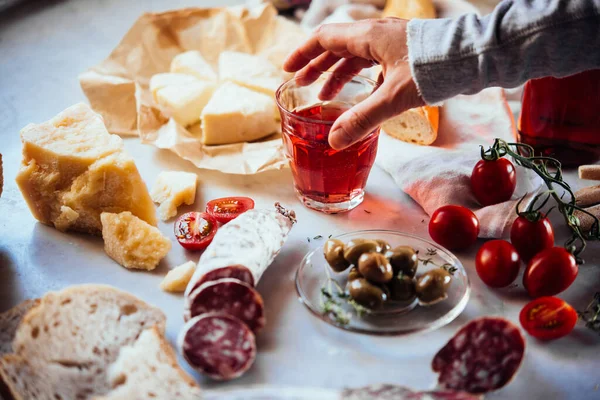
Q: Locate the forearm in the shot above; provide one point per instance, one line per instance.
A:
(518, 41)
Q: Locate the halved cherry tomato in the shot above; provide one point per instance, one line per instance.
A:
(531, 237)
(497, 263)
(493, 182)
(548, 318)
(227, 208)
(550, 272)
(195, 230)
(454, 227)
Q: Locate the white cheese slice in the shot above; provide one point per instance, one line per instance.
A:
(132, 242)
(182, 98)
(172, 189)
(177, 279)
(251, 71)
(192, 63)
(236, 114)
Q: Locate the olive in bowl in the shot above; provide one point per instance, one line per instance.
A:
(403, 259)
(402, 288)
(385, 246)
(356, 247)
(375, 267)
(432, 286)
(333, 250)
(366, 294)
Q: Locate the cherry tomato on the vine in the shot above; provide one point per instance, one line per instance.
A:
(454, 227)
(548, 318)
(493, 182)
(550, 272)
(228, 208)
(497, 263)
(531, 237)
(195, 230)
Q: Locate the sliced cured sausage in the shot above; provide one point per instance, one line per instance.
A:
(244, 247)
(483, 356)
(393, 392)
(229, 296)
(218, 345)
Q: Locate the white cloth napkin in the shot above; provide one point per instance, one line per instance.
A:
(440, 174)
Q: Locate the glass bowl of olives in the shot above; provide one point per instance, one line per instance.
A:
(383, 283)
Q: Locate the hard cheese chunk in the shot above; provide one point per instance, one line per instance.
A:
(251, 71)
(73, 170)
(172, 189)
(178, 278)
(192, 63)
(132, 242)
(236, 114)
(182, 96)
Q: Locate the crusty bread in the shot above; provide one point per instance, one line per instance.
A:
(409, 9)
(66, 344)
(9, 322)
(149, 369)
(419, 125)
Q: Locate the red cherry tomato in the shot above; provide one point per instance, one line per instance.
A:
(497, 263)
(228, 208)
(529, 238)
(195, 230)
(454, 227)
(550, 272)
(493, 182)
(548, 318)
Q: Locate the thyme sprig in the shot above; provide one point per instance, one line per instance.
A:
(591, 315)
(550, 171)
(333, 297)
(451, 269)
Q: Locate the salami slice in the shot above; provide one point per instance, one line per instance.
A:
(245, 246)
(229, 296)
(218, 345)
(483, 356)
(393, 392)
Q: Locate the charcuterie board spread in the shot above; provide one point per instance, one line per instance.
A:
(214, 105)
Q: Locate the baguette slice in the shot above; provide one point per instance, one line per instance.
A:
(418, 125)
(9, 322)
(66, 343)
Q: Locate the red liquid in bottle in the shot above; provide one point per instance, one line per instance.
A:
(320, 172)
(561, 117)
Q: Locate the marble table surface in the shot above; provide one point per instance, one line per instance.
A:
(43, 47)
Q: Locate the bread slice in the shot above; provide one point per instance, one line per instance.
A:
(9, 322)
(418, 125)
(66, 343)
(149, 369)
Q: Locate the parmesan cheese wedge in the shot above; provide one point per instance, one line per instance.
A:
(182, 96)
(192, 63)
(254, 72)
(131, 242)
(236, 114)
(178, 278)
(172, 189)
(73, 170)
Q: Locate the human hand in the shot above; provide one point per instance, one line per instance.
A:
(359, 45)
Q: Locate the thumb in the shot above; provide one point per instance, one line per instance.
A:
(364, 117)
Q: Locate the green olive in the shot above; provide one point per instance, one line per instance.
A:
(366, 294)
(432, 286)
(356, 247)
(333, 250)
(354, 274)
(375, 267)
(385, 246)
(402, 288)
(403, 259)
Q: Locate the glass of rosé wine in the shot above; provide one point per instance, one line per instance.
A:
(325, 179)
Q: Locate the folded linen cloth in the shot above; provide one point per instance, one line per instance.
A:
(440, 174)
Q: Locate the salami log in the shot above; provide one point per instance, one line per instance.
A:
(230, 296)
(393, 392)
(244, 248)
(483, 356)
(218, 345)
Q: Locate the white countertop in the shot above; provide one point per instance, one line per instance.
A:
(42, 50)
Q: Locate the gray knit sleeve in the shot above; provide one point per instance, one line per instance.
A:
(518, 41)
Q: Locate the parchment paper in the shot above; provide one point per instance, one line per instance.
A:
(118, 88)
